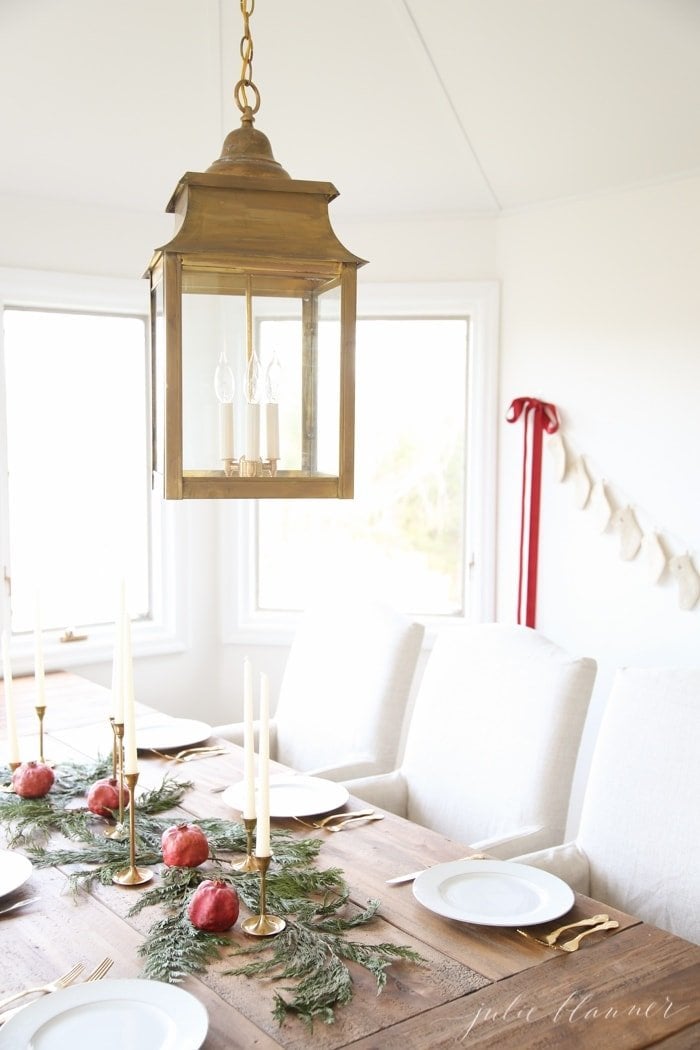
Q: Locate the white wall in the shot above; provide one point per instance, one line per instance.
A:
(601, 315)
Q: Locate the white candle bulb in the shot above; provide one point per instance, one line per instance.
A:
(248, 742)
(12, 741)
(262, 839)
(131, 764)
(224, 387)
(39, 658)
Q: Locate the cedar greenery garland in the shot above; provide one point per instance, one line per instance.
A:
(310, 956)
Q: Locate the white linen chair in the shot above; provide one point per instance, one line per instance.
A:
(638, 843)
(493, 740)
(344, 691)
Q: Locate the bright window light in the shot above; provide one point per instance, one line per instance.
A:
(77, 457)
(405, 528)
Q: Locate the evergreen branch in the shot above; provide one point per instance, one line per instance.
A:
(167, 795)
(315, 953)
(174, 949)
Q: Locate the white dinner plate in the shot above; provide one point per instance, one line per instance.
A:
(111, 1015)
(15, 869)
(171, 732)
(294, 795)
(493, 892)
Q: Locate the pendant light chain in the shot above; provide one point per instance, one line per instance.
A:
(246, 81)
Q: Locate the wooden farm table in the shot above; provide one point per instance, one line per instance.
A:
(482, 986)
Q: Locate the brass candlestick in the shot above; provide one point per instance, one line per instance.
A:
(249, 864)
(263, 925)
(132, 876)
(41, 711)
(117, 832)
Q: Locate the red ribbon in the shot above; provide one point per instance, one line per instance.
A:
(542, 417)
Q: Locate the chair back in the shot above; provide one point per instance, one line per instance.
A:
(640, 818)
(345, 688)
(494, 735)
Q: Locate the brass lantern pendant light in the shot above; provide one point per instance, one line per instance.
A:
(253, 306)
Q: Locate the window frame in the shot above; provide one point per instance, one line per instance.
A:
(164, 630)
(243, 623)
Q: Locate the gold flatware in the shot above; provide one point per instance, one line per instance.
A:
(52, 986)
(189, 754)
(325, 821)
(18, 904)
(96, 975)
(99, 971)
(365, 818)
(572, 945)
(550, 938)
(397, 880)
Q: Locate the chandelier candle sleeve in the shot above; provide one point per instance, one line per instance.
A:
(39, 658)
(12, 741)
(224, 387)
(248, 742)
(131, 766)
(262, 839)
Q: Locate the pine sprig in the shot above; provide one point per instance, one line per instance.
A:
(315, 952)
(167, 795)
(175, 949)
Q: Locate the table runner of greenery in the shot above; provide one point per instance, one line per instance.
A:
(309, 958)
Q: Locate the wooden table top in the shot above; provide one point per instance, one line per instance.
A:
(636, 986)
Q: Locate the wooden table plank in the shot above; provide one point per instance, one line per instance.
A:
(638, 986)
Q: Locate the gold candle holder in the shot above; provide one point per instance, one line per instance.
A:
(118, 831)
(41, 711)
(263, 925)
(132, 876)
(249, 864)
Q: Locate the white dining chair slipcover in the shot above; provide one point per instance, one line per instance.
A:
(638, 843)
(493, 740)
(344, 691)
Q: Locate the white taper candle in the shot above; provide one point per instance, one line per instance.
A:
(262, 839)
(248, 742)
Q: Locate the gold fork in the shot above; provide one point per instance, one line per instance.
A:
(572, 945)
(190, 753)
(335, 816)
(550, 938)
(365, 818)
(96, 975)
(99, 971)
(52, 986)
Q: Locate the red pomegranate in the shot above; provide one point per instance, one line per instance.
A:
(213, 907)
(32, 780)
(184, 846)
(103, 797)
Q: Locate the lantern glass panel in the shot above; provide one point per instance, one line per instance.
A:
(284, 409)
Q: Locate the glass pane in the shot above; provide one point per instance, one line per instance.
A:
(288, 411)
(77, 451)
(404, 530)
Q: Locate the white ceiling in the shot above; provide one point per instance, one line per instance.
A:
(408, 106)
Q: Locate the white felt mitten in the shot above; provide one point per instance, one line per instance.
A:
(599, 506)
(630, 533)
(683, 570)
(582, 482)
(557, 450)
(654, 556)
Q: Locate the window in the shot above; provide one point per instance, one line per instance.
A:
(77, 512)
(420, 529)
